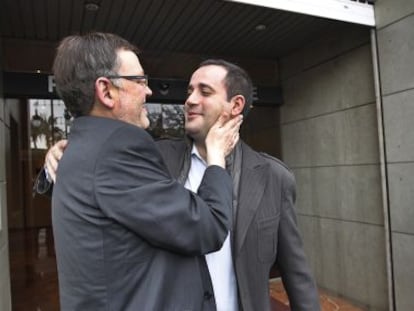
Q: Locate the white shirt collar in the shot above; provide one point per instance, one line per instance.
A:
(194, 151)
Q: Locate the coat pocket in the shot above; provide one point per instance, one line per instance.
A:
(267, 238)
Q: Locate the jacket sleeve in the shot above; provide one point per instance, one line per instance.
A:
(133, 187)
(291, 261)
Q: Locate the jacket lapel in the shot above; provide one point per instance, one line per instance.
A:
(252, 184)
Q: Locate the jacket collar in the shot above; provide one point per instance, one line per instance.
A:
(252, 184)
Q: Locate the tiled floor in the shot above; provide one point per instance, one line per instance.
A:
(328, 302)
(34, 277)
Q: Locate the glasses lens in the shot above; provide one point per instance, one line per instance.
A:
(140, 80)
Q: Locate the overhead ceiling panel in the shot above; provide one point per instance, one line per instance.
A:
(202, 27)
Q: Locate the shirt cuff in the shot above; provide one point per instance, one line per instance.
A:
(48, 178)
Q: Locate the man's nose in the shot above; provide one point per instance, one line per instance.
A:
(192, 99)
(148, 91)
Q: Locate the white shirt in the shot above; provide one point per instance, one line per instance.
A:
(220, 263)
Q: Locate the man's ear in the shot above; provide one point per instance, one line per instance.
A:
(238, 102)
(105, 92)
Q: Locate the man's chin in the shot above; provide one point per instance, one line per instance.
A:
(146, 124)
(189, 130)
(142, 123)
(195, 134)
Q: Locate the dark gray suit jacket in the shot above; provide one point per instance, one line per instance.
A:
(265, 230)
(127, 235)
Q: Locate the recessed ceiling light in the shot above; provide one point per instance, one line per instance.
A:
(92, 7)
(260, 27)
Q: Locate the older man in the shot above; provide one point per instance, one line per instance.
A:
(127, 235)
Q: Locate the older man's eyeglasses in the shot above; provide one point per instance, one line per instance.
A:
(137, 79)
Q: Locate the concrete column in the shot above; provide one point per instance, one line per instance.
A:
(395, 21)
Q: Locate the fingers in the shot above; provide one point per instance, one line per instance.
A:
(230, 130)
(53, 156)
(222, 119)
(51, 166)
(62, 144)
(233, 124)
(236, 138)
(238, 122)
(52, 160)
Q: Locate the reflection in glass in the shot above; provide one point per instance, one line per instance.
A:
(166, 120)
(49, 122)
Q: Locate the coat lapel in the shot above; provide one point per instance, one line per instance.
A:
(252, 185)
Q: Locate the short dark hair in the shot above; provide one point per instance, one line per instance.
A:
(79, 61)
(237, 81)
